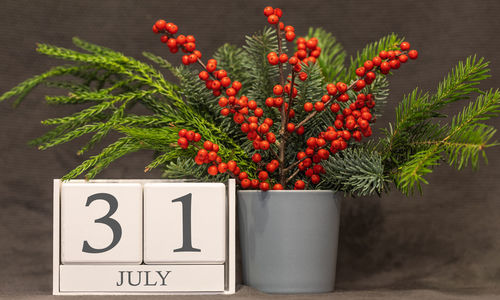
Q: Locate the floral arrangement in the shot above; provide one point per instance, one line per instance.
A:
(270, 117)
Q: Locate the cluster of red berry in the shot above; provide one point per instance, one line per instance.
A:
(353, 122)
(185, 43)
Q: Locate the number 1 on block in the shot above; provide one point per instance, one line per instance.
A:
(184, 223)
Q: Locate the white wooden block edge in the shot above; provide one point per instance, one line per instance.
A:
(230, 266)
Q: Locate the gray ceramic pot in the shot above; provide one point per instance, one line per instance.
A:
(289, 240)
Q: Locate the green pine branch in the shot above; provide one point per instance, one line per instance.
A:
(332, 58)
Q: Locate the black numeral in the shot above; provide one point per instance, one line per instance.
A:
(107, 220)
(186, 224)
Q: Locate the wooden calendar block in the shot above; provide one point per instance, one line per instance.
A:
(184, 223)
(101, 223)
(143, 278)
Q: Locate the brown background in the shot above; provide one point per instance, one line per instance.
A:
(448, 239)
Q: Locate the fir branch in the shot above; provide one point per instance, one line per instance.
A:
(459, 83)
(232, 59)
(262, 75)
(331, 60)
(356, 171)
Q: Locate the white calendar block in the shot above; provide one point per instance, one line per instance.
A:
(101, 223)
(142, 278)
(184, 223)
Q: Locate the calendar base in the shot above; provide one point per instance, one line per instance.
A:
(141, 278)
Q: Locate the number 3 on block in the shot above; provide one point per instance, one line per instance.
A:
(184, 223)
(101, 223)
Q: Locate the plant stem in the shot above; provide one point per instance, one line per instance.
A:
(282, 132)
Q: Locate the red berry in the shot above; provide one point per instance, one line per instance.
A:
(258, 112)
(300, 130)
(208, 145)
(278, 90)
(331, 89)
(273, 59)
(360, 84)
(360, 71)
(370, 76)
(203, 75)
(225, 81)
(230, 92)
(236, 85)
(315, 179)
(256, 157)
(197, 137)
(343, 98)
(404, 46)
(245, 183)
(190, 39)
(255, 183)
(377, 61)
(413, 54)
(264, 186)
(341, 87)
(264, 145)
(190, 135)
(299, 184)
(277, 186)
(271, 138)
(270, 102)
(182, 132)
(183, 142)
(222, 168)
(302, 76)
(403, 58)
(263, 175)
(383, 54)
(293, 60)
(185, 60)
(155, 29)
(319, 106)
(273, 19)
(311, 142)
(212, 170)
(368, 65)
(278, 12)
(395, 64)
(283, 58)
(160, 24)
(211, 67)
(181, 39)
(223, 101)
(290, 127)
(312, 43)
(290, 36)
(268, 11)
(190, 47)
(335, 107)
(270, 167)
(308, 106)
(385, 67)
(172, 29)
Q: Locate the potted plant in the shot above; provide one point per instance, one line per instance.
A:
(289, 126)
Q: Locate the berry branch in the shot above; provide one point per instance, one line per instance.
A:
(351, 122)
